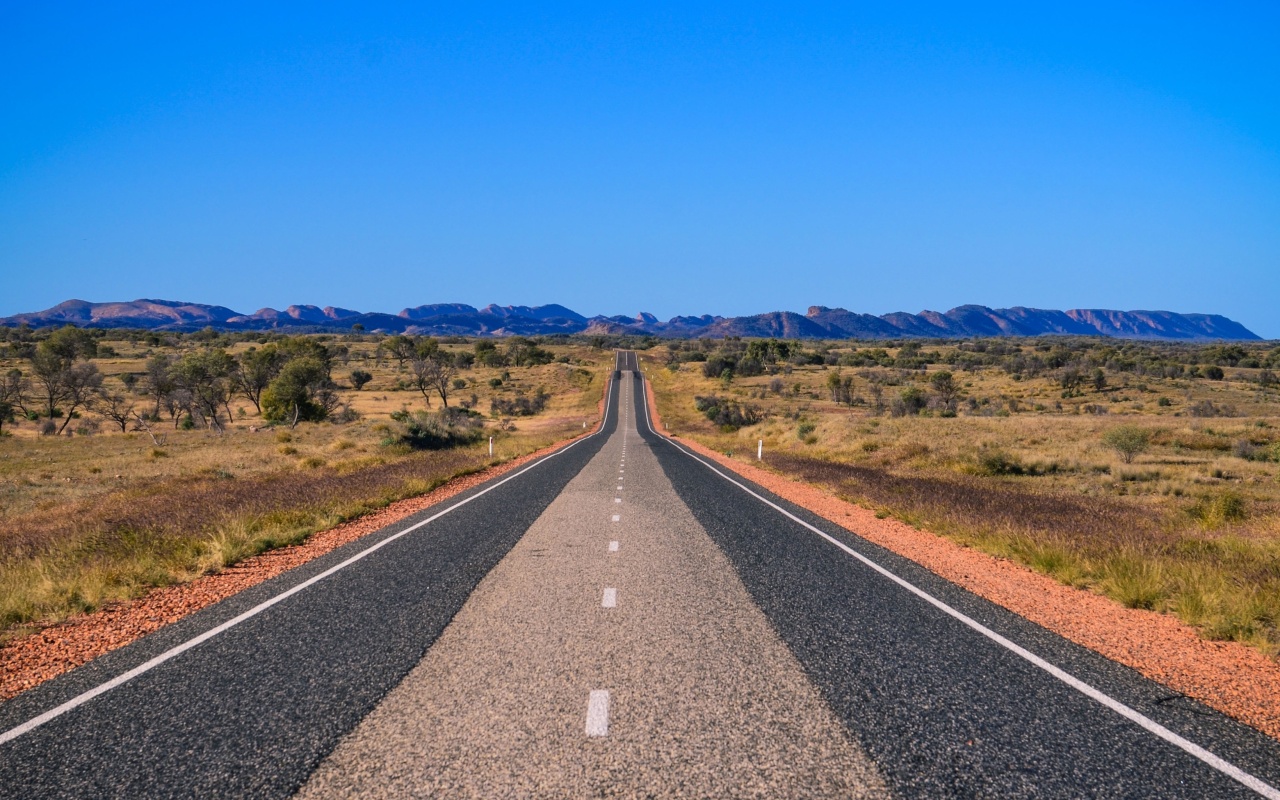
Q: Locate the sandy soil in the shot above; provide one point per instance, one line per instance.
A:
(1228, 676)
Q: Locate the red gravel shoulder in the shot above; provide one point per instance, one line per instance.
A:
(1228, 676)
(50, 652)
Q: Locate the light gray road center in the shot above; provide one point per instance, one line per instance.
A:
(547, 683)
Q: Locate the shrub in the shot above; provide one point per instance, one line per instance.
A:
(302, 391)
(727, 414)
(359, 378)
(1248, 451)
(1128, 441)
(998, 462)
(1214, 373)
(448, 427)
(1212, 511)
(911, 402)
(519, 406)
(717, 367)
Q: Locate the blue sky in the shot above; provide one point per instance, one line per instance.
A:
(680, 160)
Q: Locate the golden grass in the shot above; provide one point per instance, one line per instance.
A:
(88, 520)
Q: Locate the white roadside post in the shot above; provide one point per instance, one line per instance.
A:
(490, 447)
(760, 451)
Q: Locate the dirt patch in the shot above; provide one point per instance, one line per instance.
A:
(1230, 677)
(52, 651)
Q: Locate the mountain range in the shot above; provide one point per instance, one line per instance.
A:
(820, 322)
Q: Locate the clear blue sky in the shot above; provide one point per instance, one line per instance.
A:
(729, 160)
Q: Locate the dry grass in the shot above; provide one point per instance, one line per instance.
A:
(1190, 527)
(93, 519)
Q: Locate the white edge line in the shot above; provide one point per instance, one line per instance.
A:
(125, 677)
(1222, 765)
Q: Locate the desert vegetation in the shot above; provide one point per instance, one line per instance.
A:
(1146, 471)
(132, 459)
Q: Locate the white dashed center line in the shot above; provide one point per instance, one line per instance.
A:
(617, 517)
(610, 598)
(598, 713)
(613, 547)
(617, 499)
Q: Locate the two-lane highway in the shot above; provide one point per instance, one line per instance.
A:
(622, 618)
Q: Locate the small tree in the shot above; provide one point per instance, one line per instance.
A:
(115, 406)
(302, 391)
(52, 363)
(80, 382)
(13, 395)
(254, 371)
(158, 380)
(434, 373)
(1099, 380)
(946, 389)
(1071, 379)
(1128, 440)
(400, 347)
(359, 378)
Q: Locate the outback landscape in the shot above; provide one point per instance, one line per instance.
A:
(131, 460)
(1148, 472)
(1145, 471)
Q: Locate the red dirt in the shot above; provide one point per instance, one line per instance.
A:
(1228, 676)
(48, 653)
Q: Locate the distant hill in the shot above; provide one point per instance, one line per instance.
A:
(820, 322)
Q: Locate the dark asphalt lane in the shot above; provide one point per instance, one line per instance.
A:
(943, 710)
(250, 712)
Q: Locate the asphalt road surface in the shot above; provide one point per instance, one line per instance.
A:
(619, 619)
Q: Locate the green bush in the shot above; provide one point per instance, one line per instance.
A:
(1128, 441)
(727, 414)
(440, 430)
(998, 462)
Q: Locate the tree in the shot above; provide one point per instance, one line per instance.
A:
(1128, 441)
(1099, 380)
(80, 382)
(158, 380)
(13, 394)
(61, 380)
(841, 387)
(204, 375)
(359, 378)
(400, 347)
(115, 406)
(301, 392)
(70, 344)
(1071, 379)
(434, 373)
(522, 352)
(877, 397)
(945, 389)
(254, 371)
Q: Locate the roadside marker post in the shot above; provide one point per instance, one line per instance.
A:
(760, 451)
(490, 447)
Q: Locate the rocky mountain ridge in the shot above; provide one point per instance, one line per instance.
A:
(819, 322)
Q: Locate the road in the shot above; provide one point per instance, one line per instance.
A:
(621, 618)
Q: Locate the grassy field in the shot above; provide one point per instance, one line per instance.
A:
(104, 515)
(1020, 466)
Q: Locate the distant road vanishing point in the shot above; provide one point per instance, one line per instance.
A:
(620, 618)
